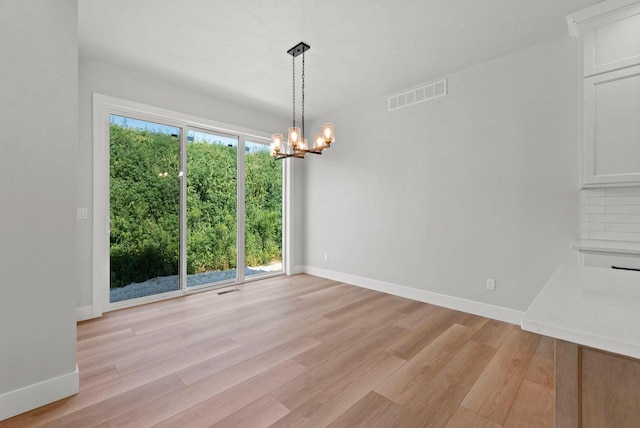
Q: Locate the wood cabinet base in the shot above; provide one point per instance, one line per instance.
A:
(595, 388)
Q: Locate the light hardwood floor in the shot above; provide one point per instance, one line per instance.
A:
(303, 351)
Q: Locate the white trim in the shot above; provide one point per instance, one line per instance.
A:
(477, 308)
(84, 313)
(241, 171)
(30, 397)
(100, 175)
(596, 10)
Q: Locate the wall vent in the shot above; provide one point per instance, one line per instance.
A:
(418, 95)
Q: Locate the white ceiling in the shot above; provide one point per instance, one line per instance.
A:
(360, 49)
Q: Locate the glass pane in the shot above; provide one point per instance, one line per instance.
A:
(211, 207)
(263, 210)
(144, 208)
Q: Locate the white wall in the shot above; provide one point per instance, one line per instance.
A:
(441, 195)
(38, 142)
(117, 82)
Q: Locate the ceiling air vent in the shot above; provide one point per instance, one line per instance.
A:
(418, 95)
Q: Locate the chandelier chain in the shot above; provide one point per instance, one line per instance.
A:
(303, 94)
(294, 91)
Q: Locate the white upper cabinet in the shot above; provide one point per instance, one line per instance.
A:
(611, 134)
(612, 41)
(609, 35)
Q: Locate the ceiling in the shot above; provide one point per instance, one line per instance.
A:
(360, 49)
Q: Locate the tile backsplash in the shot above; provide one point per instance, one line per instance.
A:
(611, 213)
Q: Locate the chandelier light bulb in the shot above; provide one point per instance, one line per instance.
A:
(328, 133)
(294, 136)
(276, 142)
(318, 141)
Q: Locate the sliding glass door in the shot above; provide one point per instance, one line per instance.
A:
(263, 211)
(187, 207)
(212, 170)
(144, 208)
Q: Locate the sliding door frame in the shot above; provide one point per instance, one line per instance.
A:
(103, 107)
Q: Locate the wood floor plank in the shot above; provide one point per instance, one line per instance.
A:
(493, 333)
(206, 364)
(239, 305)
(470, 320)
(533, 407)
(313, 352)
(541, 370)
(405, 383)
(328, 302)
(96, 377)
(95, 396)
(495, 391)
(344, 337)
(330, 404)
(322, 376)
(352, 310)
(127, 317)
(278, 354)
(413, 342)
(216, 364)
(121, 319)
(106, 390)
(202, 390)
(138, 347)
(224, 405)
(158, 356)
(465, 418)
(373, 411)
(108, 339)
(215, 322)
(418, 316)
(413, 306)
(292, 327)
(119, 404)
(434, 405)
(259, 414)
(237, 302)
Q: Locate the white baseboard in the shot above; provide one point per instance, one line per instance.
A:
(477, 308)
(30, 397)
(84, 313)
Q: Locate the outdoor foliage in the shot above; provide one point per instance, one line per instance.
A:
(145, 212)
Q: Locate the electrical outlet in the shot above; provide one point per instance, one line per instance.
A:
(491, 284)
(326, 256)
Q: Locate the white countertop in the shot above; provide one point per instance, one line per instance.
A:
(591, 306)
(606, 246)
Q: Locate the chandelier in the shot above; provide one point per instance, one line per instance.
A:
(297, 145)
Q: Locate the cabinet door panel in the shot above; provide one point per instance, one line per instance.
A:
(612, 42)
(612, 127)
(610, 390)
